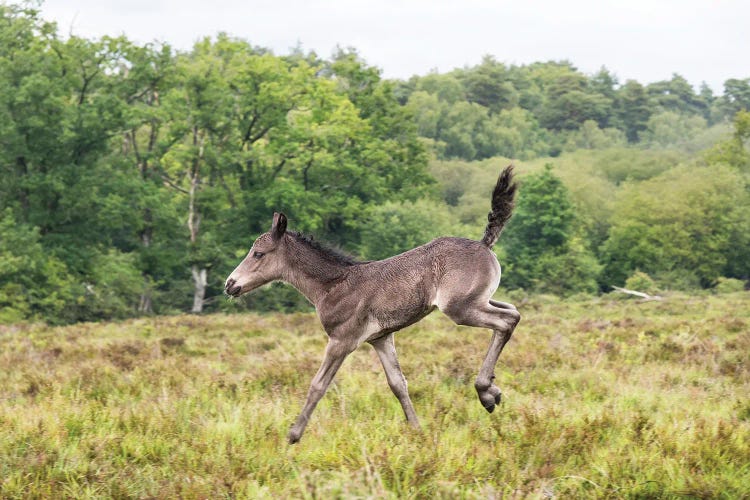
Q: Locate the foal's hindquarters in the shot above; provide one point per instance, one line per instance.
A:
(464, 294)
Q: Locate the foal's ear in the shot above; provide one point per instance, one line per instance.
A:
(278, 228)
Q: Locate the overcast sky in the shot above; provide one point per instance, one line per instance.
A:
(647, 40)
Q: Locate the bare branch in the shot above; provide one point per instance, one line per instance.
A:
(644, 296)
(169, 182)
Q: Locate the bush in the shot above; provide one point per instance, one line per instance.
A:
(642, 282)
(33, 284)
(683, 227)
(114, 288)
(729, 285)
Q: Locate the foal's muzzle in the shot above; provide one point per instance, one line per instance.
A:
(232, 288)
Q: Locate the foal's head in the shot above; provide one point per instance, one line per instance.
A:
(263, 264)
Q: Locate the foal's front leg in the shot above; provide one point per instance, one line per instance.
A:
(386, 350)
(336, 352)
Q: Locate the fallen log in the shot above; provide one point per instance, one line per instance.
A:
(644, 296)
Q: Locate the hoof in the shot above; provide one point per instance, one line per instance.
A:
(490, 398)
(294, 437)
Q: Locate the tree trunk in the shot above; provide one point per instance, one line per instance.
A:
(194, 222)
(200, 279)
(145, 305)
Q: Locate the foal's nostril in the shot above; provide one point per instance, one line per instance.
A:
(231, 288)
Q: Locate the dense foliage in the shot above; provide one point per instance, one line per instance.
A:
(134, 177)
(527, 111)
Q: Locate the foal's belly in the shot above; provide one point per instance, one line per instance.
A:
(400, 307)
(376, 327)
(382, 304)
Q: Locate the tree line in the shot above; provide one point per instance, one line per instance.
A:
(134, 176)
(542, 109)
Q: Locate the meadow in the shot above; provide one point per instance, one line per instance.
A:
(603, 397)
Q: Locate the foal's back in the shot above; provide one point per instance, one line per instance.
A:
(401, 290)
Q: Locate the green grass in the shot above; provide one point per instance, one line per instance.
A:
(602, 398)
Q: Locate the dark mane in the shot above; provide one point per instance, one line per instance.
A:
(331, 254)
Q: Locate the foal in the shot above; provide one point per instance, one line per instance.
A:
(368, 301)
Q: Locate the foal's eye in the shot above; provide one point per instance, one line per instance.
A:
(258, 255)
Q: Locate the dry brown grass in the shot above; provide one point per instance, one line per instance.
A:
(603, 398)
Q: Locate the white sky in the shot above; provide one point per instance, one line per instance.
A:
(648, 40)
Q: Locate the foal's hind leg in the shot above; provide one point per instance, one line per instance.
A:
(489, 393)
(502, 318)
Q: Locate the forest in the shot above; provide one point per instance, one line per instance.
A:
(134, 177)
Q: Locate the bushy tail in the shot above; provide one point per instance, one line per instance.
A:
(502, 206)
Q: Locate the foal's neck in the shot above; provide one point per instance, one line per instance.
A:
(310, 270)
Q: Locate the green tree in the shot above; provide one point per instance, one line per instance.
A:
(199, 105)
(633, 110)
(466, 133)
(605, 83)
(736, 95)
(488, 85)
(395, 227)
(516, 134)
(734, 151)
(59, 113)
(569, 104)
(678, 96)
(149, 75)
(33, 284)
(590, 136)
(51, 132)
(429, 113)
(706, 95)
(669, 128)
(542, 248)
(446, 87)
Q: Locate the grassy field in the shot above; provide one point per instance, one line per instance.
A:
(602, 398)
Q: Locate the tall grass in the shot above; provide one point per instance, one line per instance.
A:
(602, 398)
